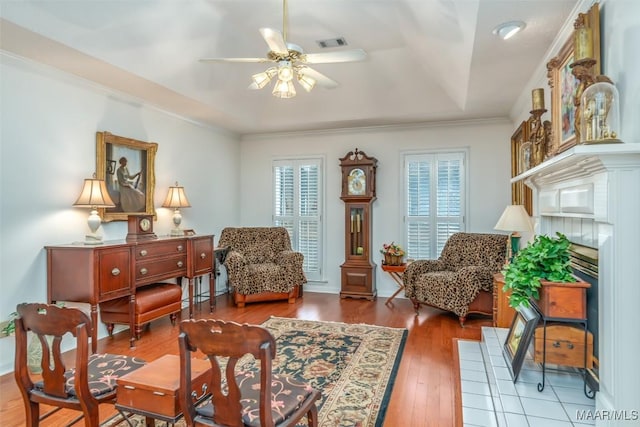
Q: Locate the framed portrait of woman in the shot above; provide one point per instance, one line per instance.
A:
(127, 167)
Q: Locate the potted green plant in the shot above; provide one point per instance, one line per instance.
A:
(542, 272)
(9, 327)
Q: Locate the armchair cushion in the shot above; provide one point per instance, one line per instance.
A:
(260, 260)
(465, 268)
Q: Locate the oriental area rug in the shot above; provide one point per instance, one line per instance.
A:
(353, 365)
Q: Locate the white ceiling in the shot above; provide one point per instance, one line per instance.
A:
(428, 60)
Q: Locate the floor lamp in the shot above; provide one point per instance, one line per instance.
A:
(514, 219)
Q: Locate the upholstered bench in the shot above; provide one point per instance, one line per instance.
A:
(152, 302)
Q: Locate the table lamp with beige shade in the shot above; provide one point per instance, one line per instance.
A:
(94, 195)
(514, 219)
(176, 199)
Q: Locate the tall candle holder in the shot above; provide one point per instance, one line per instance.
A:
(582, 66)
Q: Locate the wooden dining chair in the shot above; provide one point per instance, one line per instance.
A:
(91, 382)
(249, 397)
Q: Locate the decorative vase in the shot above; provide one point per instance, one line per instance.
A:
(392, 259)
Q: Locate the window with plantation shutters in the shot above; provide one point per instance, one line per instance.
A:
(297, 207)
(434, 195)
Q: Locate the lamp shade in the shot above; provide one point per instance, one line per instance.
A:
(176, 198)
(514, 218)
(284, 89)
(94, 194)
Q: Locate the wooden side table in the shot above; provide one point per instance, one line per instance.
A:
(502, 312)
(395, 271)
(152, 391)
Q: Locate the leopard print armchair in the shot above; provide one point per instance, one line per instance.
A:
(261, 265)
(461, 280)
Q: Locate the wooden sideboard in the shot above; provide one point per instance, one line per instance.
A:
(97, 273)
(502, 312)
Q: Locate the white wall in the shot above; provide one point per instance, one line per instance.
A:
(489, 191)
(49, 123)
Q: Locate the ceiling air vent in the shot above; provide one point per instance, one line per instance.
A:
(337, 42)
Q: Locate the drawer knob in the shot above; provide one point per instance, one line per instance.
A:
(180, 264)
(115, 271)
(203, 255)
(556, 344)
(195, 396)
(143, 252)
(143, 271)
(180, 248)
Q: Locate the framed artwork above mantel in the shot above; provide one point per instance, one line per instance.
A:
(565, 87)
(520, 193)
(128, 168)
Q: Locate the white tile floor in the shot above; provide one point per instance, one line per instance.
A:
(491, 399)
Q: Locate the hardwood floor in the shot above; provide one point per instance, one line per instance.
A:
(424, 393)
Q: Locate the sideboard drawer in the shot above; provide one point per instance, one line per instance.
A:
(160, 248)
(160, 269)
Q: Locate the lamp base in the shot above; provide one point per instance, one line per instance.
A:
(93, 239)
(177, 219)
(515, 244)
(176, 232)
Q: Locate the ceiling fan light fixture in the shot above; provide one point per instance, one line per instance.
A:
(506, 30)
(284, 89)
(306, 82)
(285, 71)
(262, 79)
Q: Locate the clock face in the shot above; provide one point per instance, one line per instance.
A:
(145, 224)
(357, 182)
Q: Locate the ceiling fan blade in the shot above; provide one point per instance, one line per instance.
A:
(275, 40)
(321, 79)
(236, 60)
(338, 56)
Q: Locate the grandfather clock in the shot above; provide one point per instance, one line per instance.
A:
(358, 192)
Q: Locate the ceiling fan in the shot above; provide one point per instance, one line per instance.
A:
(292, 63)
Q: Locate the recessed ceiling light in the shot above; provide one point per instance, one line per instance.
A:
(507, 30)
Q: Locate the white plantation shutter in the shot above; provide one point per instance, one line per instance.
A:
(434, 185)
(297, 207)
(283, 202)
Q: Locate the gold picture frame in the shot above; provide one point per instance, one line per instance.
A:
(520, 193)
(564, 85)
(132, 183)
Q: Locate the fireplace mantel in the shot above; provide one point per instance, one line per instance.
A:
(599, 186)
(580, 161)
